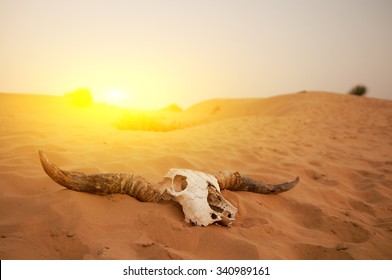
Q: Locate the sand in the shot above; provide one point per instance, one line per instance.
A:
(339, 145)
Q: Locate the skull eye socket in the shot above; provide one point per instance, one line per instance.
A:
(179, 183)
(214, 216)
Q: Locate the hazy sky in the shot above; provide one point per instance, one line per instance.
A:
(162, 52)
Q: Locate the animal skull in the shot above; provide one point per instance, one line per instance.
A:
(200, 197)
(198, 193)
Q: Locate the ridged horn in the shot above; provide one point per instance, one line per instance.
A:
(106, 183)
(235, 181)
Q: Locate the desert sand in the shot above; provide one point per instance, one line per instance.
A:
(339, 145)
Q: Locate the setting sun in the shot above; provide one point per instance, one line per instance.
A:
(117, 97)
(136, 97)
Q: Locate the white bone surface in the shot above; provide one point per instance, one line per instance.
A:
(193, 196)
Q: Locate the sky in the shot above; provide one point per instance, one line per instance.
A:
(151, 53)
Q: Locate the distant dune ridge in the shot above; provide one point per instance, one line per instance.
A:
(339, 145)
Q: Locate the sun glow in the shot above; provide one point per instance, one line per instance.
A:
(133, 98)
(117, 97)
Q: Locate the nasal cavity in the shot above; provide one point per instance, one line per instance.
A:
(214, 216)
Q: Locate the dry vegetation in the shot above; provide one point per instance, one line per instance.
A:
(153, 121)
(145, 122)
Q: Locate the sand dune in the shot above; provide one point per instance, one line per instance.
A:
(339, 145)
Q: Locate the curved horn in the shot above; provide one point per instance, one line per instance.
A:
(234, 181)
(107, 183)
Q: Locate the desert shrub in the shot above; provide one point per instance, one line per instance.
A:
(143, 121)
(138, 121)
(80, 98)
(146, 122)
(358, 90)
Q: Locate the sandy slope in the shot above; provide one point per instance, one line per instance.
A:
(339, 145)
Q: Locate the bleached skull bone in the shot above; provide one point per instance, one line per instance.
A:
(200, 197)
(199, 193)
